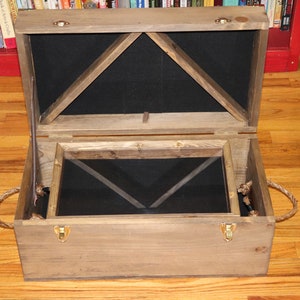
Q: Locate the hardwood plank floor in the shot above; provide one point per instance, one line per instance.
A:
(279, 137)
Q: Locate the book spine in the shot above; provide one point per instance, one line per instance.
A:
(208, 3)
(6, 25)
(112, 4)
(38, 4)
(286, 15)
(1, 40)
(13, 9)
(46, 4)
(19, 4)
(78, 4)
(65, 4)
(230, 2)
(218, 2)
(270, 12)
(277, 14)
(132, 3)
(124, 4)
(102, 4)
(140, 4)
(53, 4)
(30, 4)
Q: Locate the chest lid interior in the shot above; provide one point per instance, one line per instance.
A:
(149, 71)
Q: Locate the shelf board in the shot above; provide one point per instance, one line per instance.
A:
(9, 65)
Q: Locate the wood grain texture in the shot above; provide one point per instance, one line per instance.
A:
(188, 19)
(279, 138)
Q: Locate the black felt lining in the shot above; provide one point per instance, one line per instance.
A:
(146, 180)
(143, 78)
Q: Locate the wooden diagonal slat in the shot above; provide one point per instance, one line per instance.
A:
(198, 74)
(89, 75)
(108, 183)
(183, 181)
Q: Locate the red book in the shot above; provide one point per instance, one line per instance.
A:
(218, 2)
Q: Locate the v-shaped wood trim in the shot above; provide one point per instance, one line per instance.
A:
(130, 198)
(170, 48)
(198, 74)
(89, 75)
(108, 183)
(183, 181)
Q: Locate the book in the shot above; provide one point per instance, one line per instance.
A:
(65, 4)
(140, 3)
(208, 3)
(287, 6)
(6, 25)
(13, 9)
(1, 40)
(230, 2)
(91, 4)
(30, 4)
(218, 2)
(271, 11)
(124, 4)
(38, 4)
(102, 4)
(277, 14)
(133, 4)
(112, 4)
(53, 4)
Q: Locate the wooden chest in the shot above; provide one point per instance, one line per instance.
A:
(143, 127)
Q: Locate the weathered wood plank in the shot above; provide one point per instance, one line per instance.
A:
(162, 19)
(152, 246)
(158, 123)
(55, 185)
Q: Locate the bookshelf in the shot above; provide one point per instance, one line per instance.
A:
(282, 54)
(284, 46)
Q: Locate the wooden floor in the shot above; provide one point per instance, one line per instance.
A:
(279, 137)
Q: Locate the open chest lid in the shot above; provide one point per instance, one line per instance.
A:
(142, 71)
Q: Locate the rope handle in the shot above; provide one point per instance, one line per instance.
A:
(2, 198)
(244, 189)
(290, 196)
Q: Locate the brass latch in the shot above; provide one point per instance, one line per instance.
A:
(227, 230)
(62, 232)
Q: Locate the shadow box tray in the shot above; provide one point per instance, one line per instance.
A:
(143, 127)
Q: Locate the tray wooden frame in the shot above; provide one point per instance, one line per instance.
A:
(145, 150)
